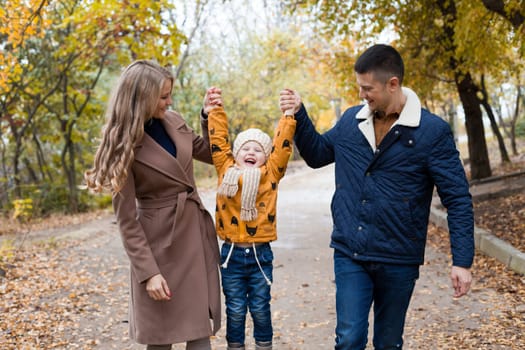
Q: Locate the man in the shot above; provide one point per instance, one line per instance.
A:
(389, 154)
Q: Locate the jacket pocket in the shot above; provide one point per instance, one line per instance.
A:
(396, 229)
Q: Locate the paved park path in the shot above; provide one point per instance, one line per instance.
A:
(303, 290)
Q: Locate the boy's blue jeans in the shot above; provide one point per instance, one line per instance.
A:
(358, 284)
(245, 287)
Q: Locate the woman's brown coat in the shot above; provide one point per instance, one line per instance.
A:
(165, 229)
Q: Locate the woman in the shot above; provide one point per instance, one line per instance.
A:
(145, 159)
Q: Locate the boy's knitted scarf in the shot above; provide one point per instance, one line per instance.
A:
(250, 186)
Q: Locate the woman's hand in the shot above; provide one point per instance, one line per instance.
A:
(157, 288)
(213, 98)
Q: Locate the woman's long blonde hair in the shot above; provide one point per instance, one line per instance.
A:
(133, 102)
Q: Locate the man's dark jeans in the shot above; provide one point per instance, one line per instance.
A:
(358, 284)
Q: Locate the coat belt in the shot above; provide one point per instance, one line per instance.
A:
(157, 203)
(177, 200)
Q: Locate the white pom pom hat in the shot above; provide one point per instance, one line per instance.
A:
(256, 135)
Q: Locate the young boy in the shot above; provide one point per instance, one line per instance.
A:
(248, 176)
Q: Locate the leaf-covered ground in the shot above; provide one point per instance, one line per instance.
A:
(57, 296)
(507, 319)
(504, 217)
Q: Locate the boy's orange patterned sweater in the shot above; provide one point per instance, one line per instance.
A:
(229, 226)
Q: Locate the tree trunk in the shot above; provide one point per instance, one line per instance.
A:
(4, 194)
(31, 172)
(495, 130)
(68, 164)
(493, 124)
(44, 169)
(18, 136)
(16, 168)
(477, 145)
(71, 178)
(467, 89)
(514, 120)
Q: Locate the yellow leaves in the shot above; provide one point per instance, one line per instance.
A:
(23, 209)
(245, 100)
(326, 119)
(20, 20)
(130, 30)
(6, 251)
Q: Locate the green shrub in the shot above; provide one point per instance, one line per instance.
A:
(520, 128)
(54, 198)
(95, 201)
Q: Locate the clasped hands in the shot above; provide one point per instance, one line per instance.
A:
(289, 100)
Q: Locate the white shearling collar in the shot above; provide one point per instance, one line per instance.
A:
(410, 116)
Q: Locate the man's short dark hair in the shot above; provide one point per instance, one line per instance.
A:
(381, 60)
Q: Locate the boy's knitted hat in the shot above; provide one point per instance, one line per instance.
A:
(256, 135)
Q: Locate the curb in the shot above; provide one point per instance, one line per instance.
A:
(487, 243)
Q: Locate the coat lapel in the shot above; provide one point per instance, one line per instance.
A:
(182, 137)
(149, 152)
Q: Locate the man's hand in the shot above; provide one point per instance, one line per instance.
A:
(461, 280)
(157, 288)
(213, 98)
(289, 101)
